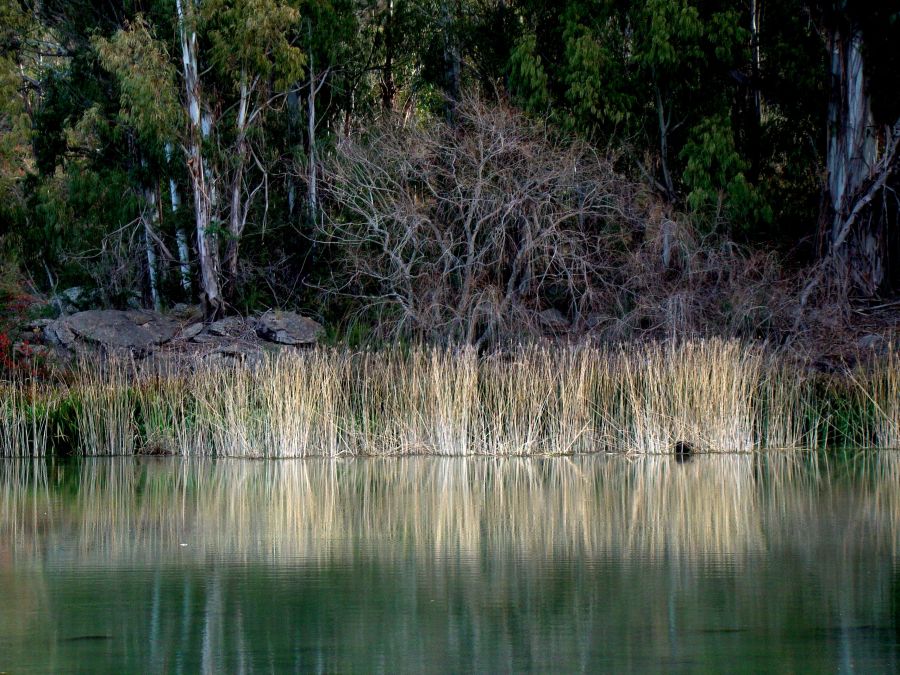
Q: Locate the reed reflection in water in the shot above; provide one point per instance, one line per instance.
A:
(460, 564)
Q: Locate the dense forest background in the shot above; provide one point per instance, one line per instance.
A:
(456, 169)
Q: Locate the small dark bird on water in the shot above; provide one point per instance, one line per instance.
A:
(683, 451)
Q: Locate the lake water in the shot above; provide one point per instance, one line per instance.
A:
(784, 562)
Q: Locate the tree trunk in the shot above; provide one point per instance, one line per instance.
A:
(312, 176)
(668, 183)
(150, 219)
(201, 177)
(295, 134)
(852, 159)
(181, 238)
(452, 62)
(237, 216)
(754, 127)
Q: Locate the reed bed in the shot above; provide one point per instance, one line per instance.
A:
(24, 418)
(700, 393)
(879, 388)
(105, 416)
(711, 396)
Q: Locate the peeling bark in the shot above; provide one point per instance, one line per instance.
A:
(853, 161)
(150, 220)
(316, 82)
(312, 176)
(181, 238)
(237, 217)
(754, 126)
(202, 182)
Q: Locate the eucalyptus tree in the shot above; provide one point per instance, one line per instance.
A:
(150, 107)
(237, 57)
(255, 49)
(863, 148)
(19, 65)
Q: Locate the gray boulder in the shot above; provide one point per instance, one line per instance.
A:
(58, 334)
(74, 299)
(190, 331)
(232, 327)
(288, 328)
(185, 312)
(114, 329)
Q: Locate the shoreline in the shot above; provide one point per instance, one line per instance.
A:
(710, 396)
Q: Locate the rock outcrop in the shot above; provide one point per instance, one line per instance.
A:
(142, 333)
(112, 329)
(288, 328)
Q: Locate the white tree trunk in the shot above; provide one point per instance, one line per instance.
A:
(312, 195)
(150, 219)
(202, 180)
(668, 183)
(181, 238)
(755, 55)
(851, 141)
(852, 158)
(237, 216)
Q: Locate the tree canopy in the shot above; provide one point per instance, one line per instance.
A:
(171, 150)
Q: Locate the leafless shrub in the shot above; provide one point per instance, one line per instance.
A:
(494, 229)
(679, 283)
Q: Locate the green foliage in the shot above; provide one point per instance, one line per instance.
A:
(146, 77)
(715, 175)
(528, 79)
(92, 113)
(595, 73)
(668, 35)
(252, 38)
(70, 232)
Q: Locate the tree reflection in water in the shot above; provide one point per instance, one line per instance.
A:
(466, 564)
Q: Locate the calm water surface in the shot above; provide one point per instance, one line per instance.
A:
(781, 562)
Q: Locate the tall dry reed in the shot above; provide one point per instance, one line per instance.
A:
(881, 385)
(105, 412)
(715, 395)
(24, 411)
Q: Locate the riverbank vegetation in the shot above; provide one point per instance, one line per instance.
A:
(471, 171)
(687, 209)
(709, 396)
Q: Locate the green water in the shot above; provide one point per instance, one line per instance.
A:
(783, 562)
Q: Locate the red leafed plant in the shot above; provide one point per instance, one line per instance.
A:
(16, 361)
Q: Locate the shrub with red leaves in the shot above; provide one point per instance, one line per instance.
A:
(20, 361)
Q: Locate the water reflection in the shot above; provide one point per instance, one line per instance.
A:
(787, 559)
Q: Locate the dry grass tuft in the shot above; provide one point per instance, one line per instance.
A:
(876, 392)
(24, 414)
